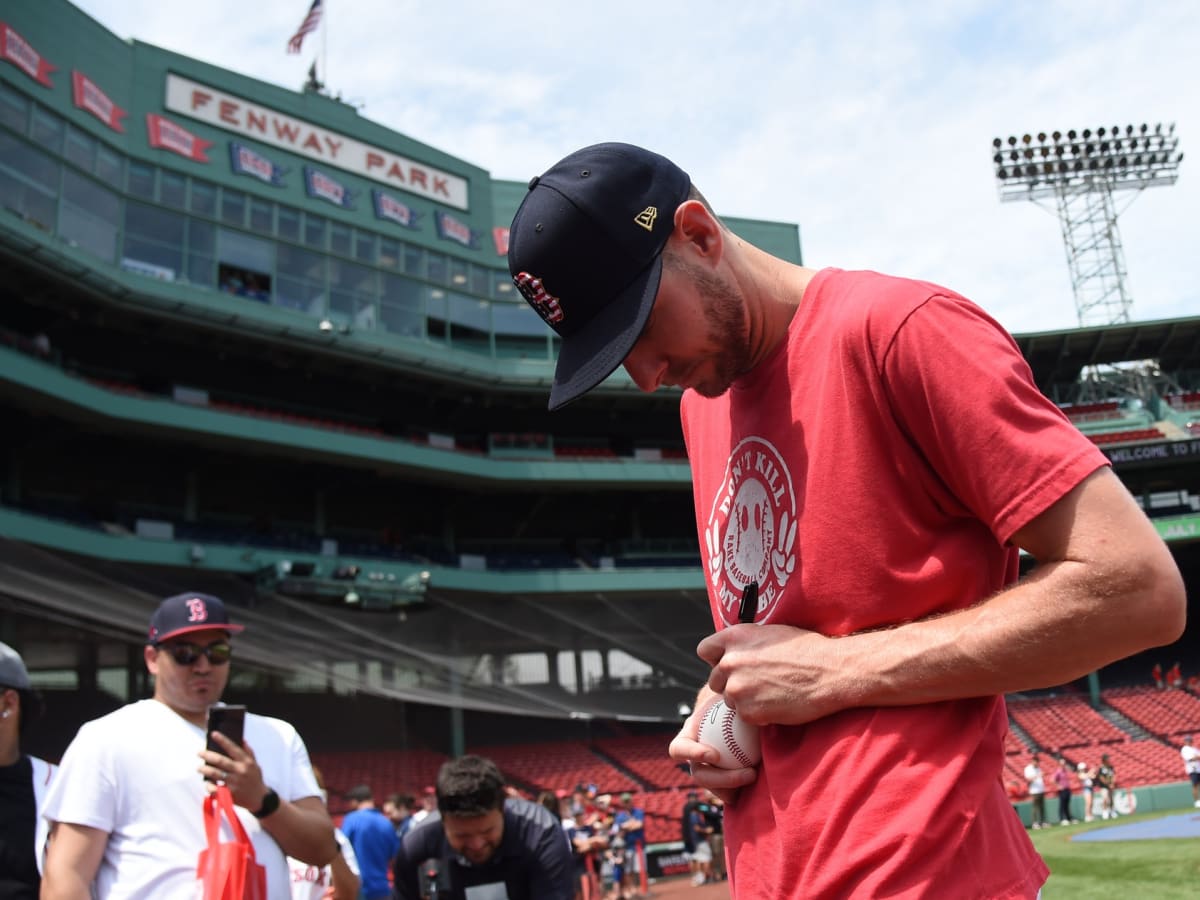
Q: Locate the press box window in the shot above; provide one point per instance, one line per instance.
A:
(14, 108)
(201, 251)
(289, 224)
(300, 284)
(389, 254)
(48, 129)
(233, 207)
(173, 188)
(90, 216)
(364, 246)
(153, 241)
(28, 181)
(261, 215)
(109, 165)
(244, 265)
(352, 293)
(438, 271)
(339, 239)
(314, 231)
(204, 199)
(80, 149)
(141, 180)
(401, 306)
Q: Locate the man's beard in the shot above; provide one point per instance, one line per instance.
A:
(724, 314)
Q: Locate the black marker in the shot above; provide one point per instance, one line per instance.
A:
(749, 605)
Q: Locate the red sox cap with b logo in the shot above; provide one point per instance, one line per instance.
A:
(184, 613)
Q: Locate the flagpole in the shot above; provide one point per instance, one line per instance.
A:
(325, 44)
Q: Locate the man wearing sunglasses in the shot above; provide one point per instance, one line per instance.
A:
(126, 809)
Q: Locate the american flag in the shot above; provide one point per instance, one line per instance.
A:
(310, 24)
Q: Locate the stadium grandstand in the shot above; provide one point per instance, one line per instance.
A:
(254, 344)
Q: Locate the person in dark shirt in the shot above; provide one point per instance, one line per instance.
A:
(1106, 781)
(502, 847)
(696, 831)
(23, 782)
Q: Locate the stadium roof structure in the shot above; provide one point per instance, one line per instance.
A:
(437, 650)
(1058, 357)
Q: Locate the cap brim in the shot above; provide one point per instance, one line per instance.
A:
(589, 356)
(232, 629)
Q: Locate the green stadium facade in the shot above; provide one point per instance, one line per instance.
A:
(253, 343)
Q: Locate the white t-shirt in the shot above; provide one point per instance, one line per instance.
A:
(43, 775)
(1191, 758)
(133, 774)
(310, 882)
(1033, 774)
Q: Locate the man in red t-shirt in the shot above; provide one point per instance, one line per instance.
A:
(870, 453)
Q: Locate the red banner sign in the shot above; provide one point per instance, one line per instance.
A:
(89, 97)
(16, 50)
(166, 135)
(500, 239)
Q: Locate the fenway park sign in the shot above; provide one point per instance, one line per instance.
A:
(269, 126)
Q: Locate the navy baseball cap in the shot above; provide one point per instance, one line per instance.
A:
(185, 613)
(585, 251)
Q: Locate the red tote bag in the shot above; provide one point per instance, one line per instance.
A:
(229, 870)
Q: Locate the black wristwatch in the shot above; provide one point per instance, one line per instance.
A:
(270, 803)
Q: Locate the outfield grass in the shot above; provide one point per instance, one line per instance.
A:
(1163, 869)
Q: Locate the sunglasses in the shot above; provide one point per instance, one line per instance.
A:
(186, 654)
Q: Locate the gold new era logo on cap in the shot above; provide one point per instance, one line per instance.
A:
(646, 217)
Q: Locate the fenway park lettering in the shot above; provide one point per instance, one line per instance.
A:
(270, 126)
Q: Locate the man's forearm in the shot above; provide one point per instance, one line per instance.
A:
(1059, 624)
(344, 882)
(64, 886)
(73, 858)
(303, 830)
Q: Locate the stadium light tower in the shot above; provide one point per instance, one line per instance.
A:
(1083, 171)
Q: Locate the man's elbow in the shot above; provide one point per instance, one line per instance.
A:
(1164, 608)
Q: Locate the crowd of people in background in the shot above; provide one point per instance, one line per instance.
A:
(607, 838)
(1097, 787)
(1173, 678)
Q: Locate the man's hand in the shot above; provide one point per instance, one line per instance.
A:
(775, 674)
(686, 748)
(238, 768)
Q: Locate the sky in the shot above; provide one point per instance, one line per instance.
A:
(869, 124)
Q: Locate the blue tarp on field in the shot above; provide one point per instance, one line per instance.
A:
(1186, 825)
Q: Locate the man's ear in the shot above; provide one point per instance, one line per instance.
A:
(697, 228)
(150, 655)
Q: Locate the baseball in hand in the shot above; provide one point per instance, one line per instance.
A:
(722, 729)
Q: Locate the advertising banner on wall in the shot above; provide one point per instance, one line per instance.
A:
(245, 161)
(451, 229)
(18, 51)
(394, 210)
(164, 134)
(322, 187)
(88, 96)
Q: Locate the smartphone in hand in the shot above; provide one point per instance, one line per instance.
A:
(230, 720)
